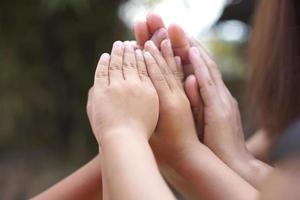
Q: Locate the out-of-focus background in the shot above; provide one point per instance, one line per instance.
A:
(48, 53)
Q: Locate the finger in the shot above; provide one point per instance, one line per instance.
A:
(159, 36)
(179, 75)
(155, 74)
(192, 91)
(141, 33)
(181, 46)
(168, 55)
(212, 66)
(179, 68)
(180, 42)
(164, 68)
(134, 44)
(154, 22)
(206, 84)
(116, 62)
(129, 62)
(141, 65)
(101, 75)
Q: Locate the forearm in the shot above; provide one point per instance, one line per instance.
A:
(251, 170)
(183, 186)
(85, 183)
(211, 177)
(260, 144)
(130, 170)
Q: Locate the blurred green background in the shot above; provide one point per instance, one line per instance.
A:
(48, 53)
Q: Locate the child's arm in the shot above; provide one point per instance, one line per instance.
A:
(129, 168)
(85, 183)
(125, 114)
(175, 141)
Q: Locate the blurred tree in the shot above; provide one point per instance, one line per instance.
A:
(48, 54)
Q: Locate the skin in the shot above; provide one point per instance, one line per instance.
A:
(85, 183)
(124, 116)
(260, 145)
(176, 135)
(284, 182)
(214, 108)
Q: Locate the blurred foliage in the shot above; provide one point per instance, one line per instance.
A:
(232, 58)
(48, 53)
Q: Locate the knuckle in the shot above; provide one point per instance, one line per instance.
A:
(129, 65)
(115, 66)
(209, 82)
(101, 74)
(179, 75)
(143, 73)
(159, 78)
(152, 64)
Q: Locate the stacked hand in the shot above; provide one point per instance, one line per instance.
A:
(123, 94)
(215, 111)
(170, 90)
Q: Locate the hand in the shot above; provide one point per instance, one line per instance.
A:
(223, 132)
(123, 95)
(175, 130)
(154, 29)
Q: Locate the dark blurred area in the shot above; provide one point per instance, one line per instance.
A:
(48, 53)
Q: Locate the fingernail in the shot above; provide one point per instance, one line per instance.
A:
(147, 54)
(118, 44)
(167, 43)
(151, 44)
(127, 43)
(104, 56)
(162, 33)
(138, 51)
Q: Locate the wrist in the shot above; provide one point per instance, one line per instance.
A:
(251, 169)
(121, 134)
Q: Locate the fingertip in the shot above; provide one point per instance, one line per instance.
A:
(177, 34)
(141, 32)
(165, 43)
(192, 90)
(149, 45)
(104, 59)
(138, 51)
(178, 61)
(127, 43)
(154, 22)
(105, 55)
(147, 54)
(118, 43)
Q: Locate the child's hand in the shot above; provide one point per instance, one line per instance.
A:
(175, 130)
(123, 95)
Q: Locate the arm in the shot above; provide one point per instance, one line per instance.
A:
(210, 176)
(260, 144)
(85, 183)
(129, 168)
(284, 181)
(124, 116)
(175, 141)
